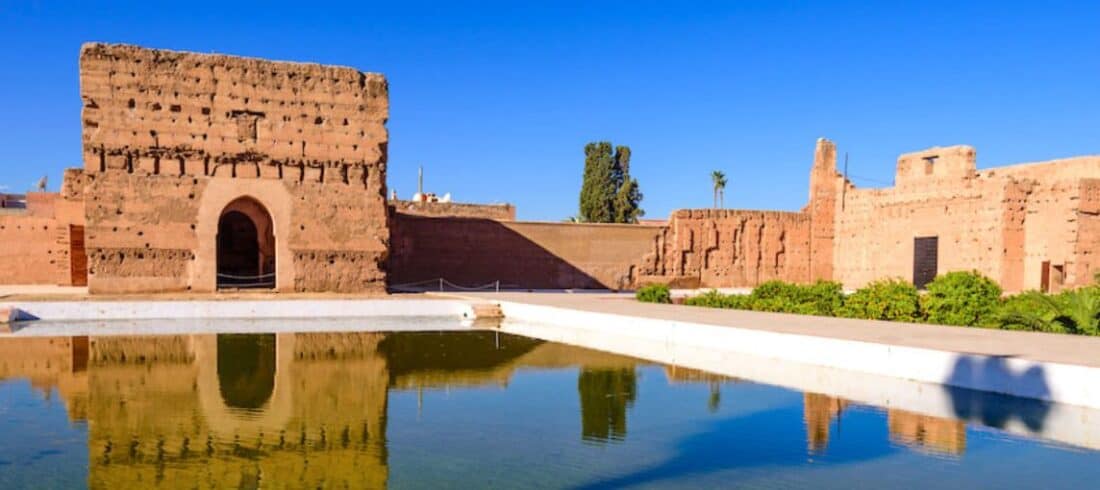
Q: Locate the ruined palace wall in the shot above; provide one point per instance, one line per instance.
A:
(1004, 222)
(1087, 241)
(477, 251)
(499, 212)
(1050, 230)
(876, 229)
(171, 138)
(736, 248)
(1059, 223)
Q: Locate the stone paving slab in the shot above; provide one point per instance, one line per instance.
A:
(1034, 346)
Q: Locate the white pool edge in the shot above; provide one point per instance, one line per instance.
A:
(1054, 382)
(70, 311)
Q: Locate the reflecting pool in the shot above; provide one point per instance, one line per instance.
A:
(473, 409)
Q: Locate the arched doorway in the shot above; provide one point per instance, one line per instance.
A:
(246, 246)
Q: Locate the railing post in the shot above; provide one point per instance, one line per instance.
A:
(441, 284)
(498, 285)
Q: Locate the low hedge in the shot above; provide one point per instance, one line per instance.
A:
(955, 298)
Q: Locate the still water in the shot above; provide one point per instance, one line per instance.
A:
(470, 409)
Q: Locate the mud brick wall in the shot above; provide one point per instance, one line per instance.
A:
(735, 248)
(171, 138)
(28, 250)
(477, 251)
(1087, 243)
(1004, 222)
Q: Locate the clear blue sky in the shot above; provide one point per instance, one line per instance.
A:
(497, 100)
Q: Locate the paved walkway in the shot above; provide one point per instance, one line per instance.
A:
(1043, 347)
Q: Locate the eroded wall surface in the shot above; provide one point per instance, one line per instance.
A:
(171, 138)
(734, 248)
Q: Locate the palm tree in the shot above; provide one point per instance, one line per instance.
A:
(718, 178)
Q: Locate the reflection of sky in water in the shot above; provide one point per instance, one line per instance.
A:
(529, 434)
(39, 446)
(476, 410)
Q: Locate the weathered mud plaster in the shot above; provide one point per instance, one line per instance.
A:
(171, 138)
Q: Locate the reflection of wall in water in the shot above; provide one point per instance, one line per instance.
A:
(818, 411)
(181, 425)
(937, 434)
(308, 408)
(157, 415)
(50, 363)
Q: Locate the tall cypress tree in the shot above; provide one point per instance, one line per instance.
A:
(627, 194)
(627, 200)
(608, 193)
(598, 189)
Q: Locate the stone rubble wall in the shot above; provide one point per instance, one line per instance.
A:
(171, 137)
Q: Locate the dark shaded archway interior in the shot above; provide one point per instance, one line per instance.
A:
(246, 246)
(246, 369)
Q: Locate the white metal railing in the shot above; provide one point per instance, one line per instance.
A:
(441, 284)
(262, 280)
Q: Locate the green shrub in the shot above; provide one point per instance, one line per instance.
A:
(961, 298)
(824, 298)
(715, 299)
(774, 290)
(821, 298)
(890, 299)
(654, 293)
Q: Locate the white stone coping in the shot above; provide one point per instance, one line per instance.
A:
(80, 311)
(189, 326)
(1048, 381)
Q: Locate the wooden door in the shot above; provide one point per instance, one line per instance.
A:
(78, 259)
(1044, 277)
(925, 260)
